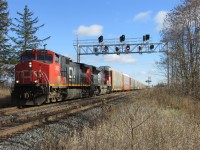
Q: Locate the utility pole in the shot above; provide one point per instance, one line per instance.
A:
(148, 81)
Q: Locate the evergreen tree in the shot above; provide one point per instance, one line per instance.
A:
(26, 30)
(4, 23)
(5, 48)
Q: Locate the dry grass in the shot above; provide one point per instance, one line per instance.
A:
(4, 93)
(151, 120)
(5, 97)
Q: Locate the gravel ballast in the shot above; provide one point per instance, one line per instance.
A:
(64, 128)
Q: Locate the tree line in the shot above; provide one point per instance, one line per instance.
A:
(182, 60)
(23, 29)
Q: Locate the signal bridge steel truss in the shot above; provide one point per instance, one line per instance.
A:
(114, 46)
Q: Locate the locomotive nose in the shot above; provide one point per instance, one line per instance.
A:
(25, 73)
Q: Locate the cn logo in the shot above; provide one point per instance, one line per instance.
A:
(57, 68)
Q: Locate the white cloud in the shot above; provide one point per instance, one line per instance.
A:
(159, 19)
(142, 16)
(93, 30)
(119, 58)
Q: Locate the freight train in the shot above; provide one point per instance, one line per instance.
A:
(43, 76)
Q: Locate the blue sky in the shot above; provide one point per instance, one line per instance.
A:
(64, 19)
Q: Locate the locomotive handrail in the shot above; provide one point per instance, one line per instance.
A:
(46, 79)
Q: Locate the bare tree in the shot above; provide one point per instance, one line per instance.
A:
(182, 32)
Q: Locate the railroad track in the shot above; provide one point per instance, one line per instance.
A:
(16, 110)
(19, 120)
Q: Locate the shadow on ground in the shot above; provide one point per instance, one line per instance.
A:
(5, 102)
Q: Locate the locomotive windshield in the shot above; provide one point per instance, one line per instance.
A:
(46, 58)
(27, 57)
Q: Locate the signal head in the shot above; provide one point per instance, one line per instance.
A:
(95, 49)
(147, 37)
(116, 49)
(100, 39)
(122, 38)
(144, 38)
(106, 48)
(151, 46)
(127, 47)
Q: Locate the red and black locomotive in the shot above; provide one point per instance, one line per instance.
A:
(43, 76)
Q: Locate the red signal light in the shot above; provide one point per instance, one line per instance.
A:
(127, 47)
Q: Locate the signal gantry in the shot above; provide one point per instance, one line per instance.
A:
(118, 46)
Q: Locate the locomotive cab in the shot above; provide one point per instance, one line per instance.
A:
(104, 80)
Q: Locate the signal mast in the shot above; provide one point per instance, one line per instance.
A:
(148, 81)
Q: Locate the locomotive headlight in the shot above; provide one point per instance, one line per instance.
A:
(17, 81)
(36, 81)
(30, 64)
